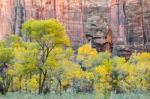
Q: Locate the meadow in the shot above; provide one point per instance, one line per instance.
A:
(74, 96)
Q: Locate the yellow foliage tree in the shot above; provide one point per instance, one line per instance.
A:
(86, 55)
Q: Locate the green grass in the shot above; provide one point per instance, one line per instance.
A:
(73, 96)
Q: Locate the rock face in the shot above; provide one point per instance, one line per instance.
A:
(120, 26)
(70, 12)
(98, 33)
(14, 12)
(6, 17)
(97, 24)
(129, 22)
(146, 21)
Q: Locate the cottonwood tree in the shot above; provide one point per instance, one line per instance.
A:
(48, 34)
(6, 57)
(86, 55)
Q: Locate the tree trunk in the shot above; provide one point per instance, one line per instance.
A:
(40, 79)
(59, 81)
(44, 79)
(20, 87)
(12, 85)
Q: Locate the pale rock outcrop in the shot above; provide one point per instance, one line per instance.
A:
(6, 17)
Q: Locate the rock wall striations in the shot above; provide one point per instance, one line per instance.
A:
(6, 17)
(14, 12)
(97, 24)
(118, 26)
(129, 22)
(130, 25)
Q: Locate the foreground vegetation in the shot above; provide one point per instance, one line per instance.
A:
(44, 62)
(73, 96)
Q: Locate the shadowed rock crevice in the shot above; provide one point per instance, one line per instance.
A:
(19, 17)
(99, 33)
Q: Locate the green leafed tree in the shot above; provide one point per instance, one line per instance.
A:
(6, 57)
(48, 34)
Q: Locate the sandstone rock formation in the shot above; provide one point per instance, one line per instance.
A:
(120, 26)
(98, 33)
(117, 21)
(6, 17)
(97, 24)
(14, 12)
(129, 22)
(129, 19)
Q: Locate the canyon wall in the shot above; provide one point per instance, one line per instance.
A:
(120, 26)
(130, 26)
(127, 20)
(97, 24)
(6, 17)
(14, 12)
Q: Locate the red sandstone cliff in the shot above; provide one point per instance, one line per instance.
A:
(130, 25)
(14, 12)
(6, 17)
(126, 20)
